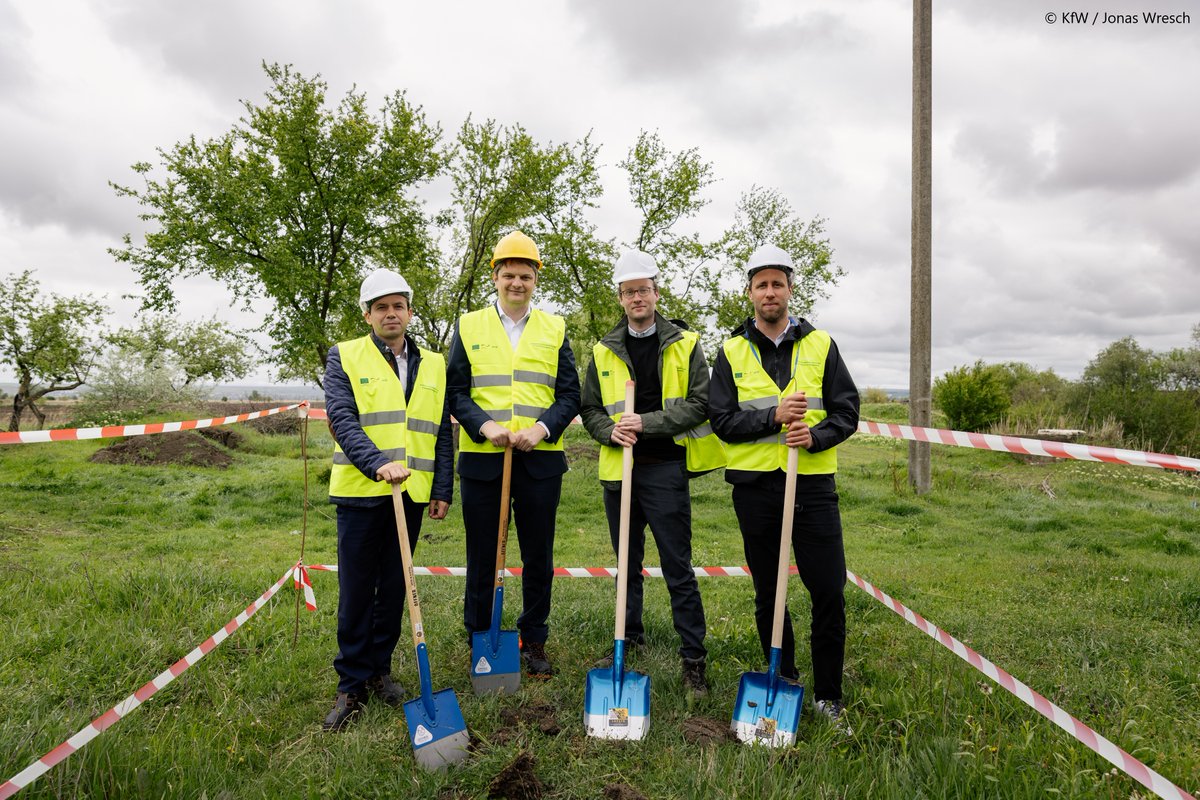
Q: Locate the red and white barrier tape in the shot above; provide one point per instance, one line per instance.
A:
(301, 579)
(1094, 741)
(1030, 447)
(113, 431)
(574, 572)
(40, 767)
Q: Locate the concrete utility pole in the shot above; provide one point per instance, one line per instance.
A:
(920, 332)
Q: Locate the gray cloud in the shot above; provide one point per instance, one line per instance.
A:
(219, 46)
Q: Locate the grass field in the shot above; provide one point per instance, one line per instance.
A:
(108, 574)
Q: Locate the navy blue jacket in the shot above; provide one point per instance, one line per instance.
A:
(488, 466)
(358, 447)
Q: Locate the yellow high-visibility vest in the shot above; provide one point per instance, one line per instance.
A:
(756, 390)
(703, 450)
(404, 431)
(513, 388)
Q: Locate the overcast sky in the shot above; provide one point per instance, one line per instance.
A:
(1066, 194)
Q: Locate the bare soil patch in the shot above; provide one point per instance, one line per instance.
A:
(223, 435)
(518, 781)
(706, 730)
(187, 448)
(622, 791)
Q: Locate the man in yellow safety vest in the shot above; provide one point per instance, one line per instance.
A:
(778, 382)
(512, 382)
(386, 401)
(671, 439)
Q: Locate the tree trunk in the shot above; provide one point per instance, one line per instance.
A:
(14, 421)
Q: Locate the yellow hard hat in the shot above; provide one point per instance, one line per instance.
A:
(516, 245)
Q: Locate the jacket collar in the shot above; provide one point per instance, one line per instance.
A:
(666, 331)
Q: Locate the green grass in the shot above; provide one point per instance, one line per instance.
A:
(109, 574)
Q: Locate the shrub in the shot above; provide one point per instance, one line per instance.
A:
(874, 394)
(973, 397)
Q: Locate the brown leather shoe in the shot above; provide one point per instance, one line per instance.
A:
(384, 688)
(344, 710)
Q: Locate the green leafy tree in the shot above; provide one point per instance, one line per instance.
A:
(189, 353)
(972, 397)
(504, 180)
(288, 207)
(764, 216)
(667, 188)
(47, 340)
(1180, 368)
(1147, 393)
(703, 281)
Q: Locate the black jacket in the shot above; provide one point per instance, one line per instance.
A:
(358, 447)
(732, 424)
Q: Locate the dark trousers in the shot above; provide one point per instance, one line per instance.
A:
(370, 589)
(660, 498)
(821, 561)
(534, 507)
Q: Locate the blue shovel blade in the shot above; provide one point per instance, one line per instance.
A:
(616, 708)
(773, 725)
(439, 740)
(496, 670)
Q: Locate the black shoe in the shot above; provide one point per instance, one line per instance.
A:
(631, 646)
(835, 712)
(344, 710)
(384, 688)
(693, 677)
(533, 658)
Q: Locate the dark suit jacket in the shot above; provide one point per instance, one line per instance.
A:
(488, 466)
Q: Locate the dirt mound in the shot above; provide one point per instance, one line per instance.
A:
(517, 781)
(706, 730)
(223, 435)
(187, 448)
(285, 423)
(622, 791)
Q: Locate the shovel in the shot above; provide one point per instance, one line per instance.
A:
(435, 722)
(616, 703)
(768, 707)
(496, 654)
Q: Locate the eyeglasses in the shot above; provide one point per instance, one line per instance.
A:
(641, 291)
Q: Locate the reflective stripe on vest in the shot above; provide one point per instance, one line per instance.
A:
(403, 431)
(703, 450)
(757, 390)
(512, 388)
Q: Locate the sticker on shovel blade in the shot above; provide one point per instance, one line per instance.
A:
(618, 717)
(482, 667)
(422, 735)
(765, 728)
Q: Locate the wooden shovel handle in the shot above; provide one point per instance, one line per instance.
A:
(785, 546)
(623, 536)
(414, 604)
(502, 534)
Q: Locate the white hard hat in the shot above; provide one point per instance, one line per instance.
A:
(380, 283)
(768, 255)
(634, 264)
